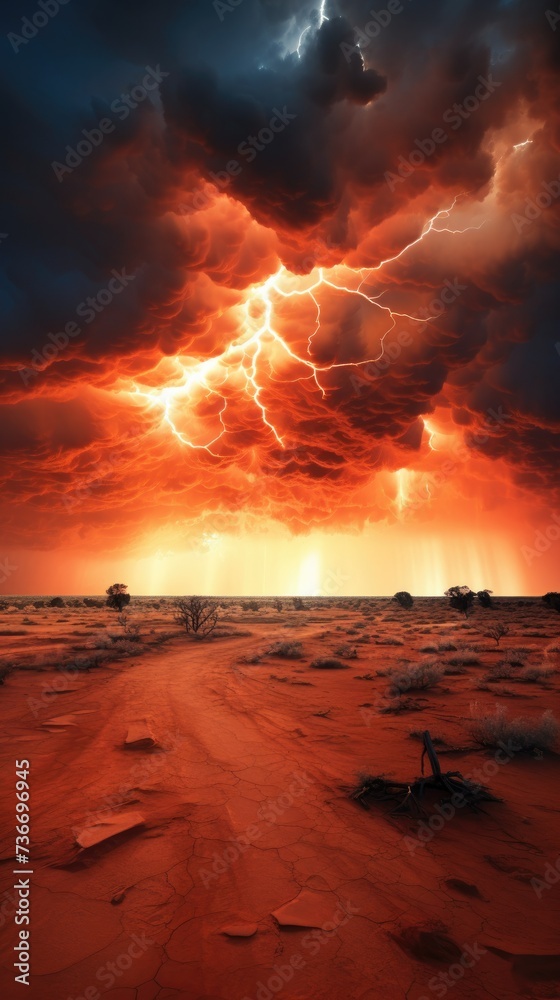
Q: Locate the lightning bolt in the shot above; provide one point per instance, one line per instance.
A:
(322, 17)
(245, 357)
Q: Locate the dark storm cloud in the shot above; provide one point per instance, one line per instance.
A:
(348, 116)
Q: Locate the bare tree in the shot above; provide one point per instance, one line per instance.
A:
(198, 615)
(496, 632)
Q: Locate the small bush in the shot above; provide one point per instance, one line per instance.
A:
(464, 658)
(390, 641)
(5, 670)
(536, 675)
(346, 652)
(83, 663)
(328, 663)
(287, 650)
(429, 648)
(415, 678)
(398, 705)
(501, 672)
(527, 734)
(517, 657)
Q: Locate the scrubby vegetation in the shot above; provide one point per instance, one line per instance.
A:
(289, 650)
(197, 615)
(525, 734)
(404, 599)
(415, 677)
(328, 663)
(460, 599)
(117, 596)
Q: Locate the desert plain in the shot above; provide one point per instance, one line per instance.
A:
(192, 829)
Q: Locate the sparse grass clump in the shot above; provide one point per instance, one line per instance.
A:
(500, 672)
(417, 677)
(464, 658)
(527, 734)
(328, 663)
(397, 705)
(517, 657)
(346, 652)
(390, 640)
(5, 670)
(536, 675)
(286, 649)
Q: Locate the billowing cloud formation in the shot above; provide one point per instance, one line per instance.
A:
(269, 262)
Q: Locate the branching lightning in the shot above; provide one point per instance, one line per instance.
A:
(245, 358)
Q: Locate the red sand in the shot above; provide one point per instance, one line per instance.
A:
(249, 843)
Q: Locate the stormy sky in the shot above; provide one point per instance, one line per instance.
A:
(283, 272)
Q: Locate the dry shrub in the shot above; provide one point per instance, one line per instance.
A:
(466, 657)
(536, 675)
(346, 652)
(5, 670)
(417, 677)
(328, 663)
(398, 705)
(528, 734)
(286, 649)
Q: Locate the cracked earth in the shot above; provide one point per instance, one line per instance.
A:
(192, 835)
